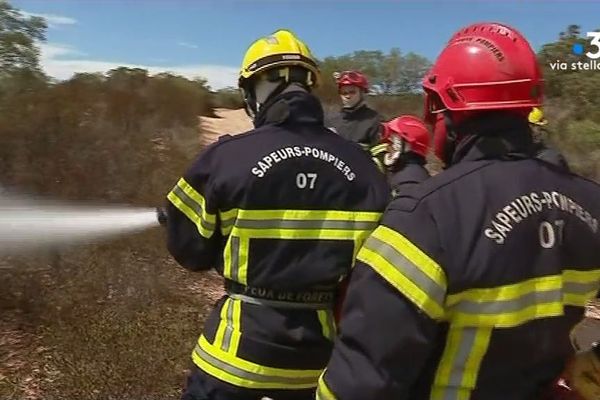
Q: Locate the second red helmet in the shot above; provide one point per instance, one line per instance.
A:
(409, 128)
(353, 78)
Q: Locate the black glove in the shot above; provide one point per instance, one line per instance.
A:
(161, 215)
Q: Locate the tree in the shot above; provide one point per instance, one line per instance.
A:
(390, 74)
(390, 71)
(412, 70)
(18, 37)
(561, 52)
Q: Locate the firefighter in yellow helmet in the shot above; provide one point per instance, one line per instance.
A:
(537, 123)
(280, 212)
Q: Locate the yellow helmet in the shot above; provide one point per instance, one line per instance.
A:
(536, 117)
(280, 49)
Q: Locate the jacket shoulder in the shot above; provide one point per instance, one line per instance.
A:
(224, 141)
(373, 113)
(410, 198)
(209, 154)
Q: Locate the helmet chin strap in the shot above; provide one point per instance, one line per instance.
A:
(249, 101)
(264, 89)
(258, 94)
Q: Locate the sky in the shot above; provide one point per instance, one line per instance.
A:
(208, 38)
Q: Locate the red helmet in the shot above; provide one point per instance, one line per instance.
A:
(353, 78)
(409, 128)
(484, 66)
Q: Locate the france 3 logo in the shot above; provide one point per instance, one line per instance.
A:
(579, 48)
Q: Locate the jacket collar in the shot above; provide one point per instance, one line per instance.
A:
(293, 105)
(357, 109)
(499, 136)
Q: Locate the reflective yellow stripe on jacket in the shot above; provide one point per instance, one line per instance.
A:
(190, 202)
(407, 268)
(220, 359)
(323, 391)
(512, 305)
(243, 225)
(228, 334)
(458, 368)
(378, 149)
(377, 153)
(237, 371)
(474, 313)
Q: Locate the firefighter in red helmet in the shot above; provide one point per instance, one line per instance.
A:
(471, 283)
(356, 121)
(407, 143)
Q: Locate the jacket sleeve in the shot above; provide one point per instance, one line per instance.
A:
(374, 133)
(391, 315)
(193, 229)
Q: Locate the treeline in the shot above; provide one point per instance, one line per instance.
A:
(65, 129)
(94, 134)
(573, 102)
(390, 74)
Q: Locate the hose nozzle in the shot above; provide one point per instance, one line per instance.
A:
(161, 215)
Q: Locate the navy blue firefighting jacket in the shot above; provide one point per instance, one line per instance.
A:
(280, 212)
(360, 125)
(471, 284)
(407, 176)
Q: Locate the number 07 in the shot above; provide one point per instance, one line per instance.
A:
(304, 180)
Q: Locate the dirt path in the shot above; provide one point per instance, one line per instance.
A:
(227, 122)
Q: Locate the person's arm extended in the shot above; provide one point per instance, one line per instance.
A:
(390, 317)
(193, 234)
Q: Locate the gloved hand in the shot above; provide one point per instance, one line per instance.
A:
(580, 380)
(161, 215)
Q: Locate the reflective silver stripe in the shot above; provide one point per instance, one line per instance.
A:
(279, 304)
(524, 301)
(451, 393)
(580, 288)
(408, 269)
(330, 322)
(227, 224)
(458, 369)
(305, 224)
(191, 203)
(251, 376)
(507, 306)
(228, 328)
(467, 341)
(235, 258)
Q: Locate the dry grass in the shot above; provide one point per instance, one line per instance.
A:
(112, 321)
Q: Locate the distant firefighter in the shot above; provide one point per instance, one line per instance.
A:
(356, 121)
